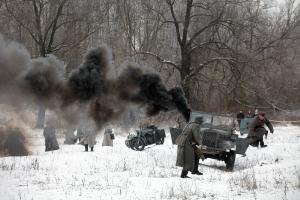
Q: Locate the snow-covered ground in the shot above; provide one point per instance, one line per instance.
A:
(121, 173)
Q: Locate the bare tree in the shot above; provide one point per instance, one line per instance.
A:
(44, 21)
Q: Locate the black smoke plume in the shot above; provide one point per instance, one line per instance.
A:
(147, 89)
(89, 80)
(86, 92)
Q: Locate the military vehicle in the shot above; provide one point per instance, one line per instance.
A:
(219, 140)
(146, 136)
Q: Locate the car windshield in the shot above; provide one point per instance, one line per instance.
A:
(223, 122)
(211, 120)
(207, 117)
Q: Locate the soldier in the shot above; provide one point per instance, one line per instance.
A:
(255, 112)
(249, 114)
(108, 137)
(89, 138)
(257, 130)
(70, 137)
(187, 141)
(50, 139)
(239, 117)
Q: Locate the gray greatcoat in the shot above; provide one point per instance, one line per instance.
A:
(89, 137)
(107, 138)
(256, 127)
(50, 139)
(185, 150)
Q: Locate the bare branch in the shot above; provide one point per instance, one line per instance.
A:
(54, 25)
(28, 29)
(187, 19)
(196, 70)
(161, 60)
(171, 6)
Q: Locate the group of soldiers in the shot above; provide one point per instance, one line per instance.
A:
(187, 141)
(87, 138)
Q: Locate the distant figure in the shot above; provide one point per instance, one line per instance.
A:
(255, 112)
(70, 137)
(249, 114)
(257, 130)
(186, 144)
(239, 117)
(108, 137)
(50, 139)
(89, 138)
(78, 133)
(14, 145)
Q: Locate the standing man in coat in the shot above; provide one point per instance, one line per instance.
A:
(186, 144)
(257, 130)
(108, 137)
(239, 117)
(51, 143)
(89, 137)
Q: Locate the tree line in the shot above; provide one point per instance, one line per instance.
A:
(225, 54)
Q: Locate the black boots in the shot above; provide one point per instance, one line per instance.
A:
(184, 174)
(262, 144)
(86, 146)
(196, 171)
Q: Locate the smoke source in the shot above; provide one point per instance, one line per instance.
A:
(13, 142)
(87, 89)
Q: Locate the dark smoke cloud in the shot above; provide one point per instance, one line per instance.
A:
(14, 59)
(44, 80)
(147, 89)
(87, 92)
(89, 80)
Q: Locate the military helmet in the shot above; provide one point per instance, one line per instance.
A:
(198, 120)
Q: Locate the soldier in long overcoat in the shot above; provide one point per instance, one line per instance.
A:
(89, 138)
(108, 137)
(186, 141)
(50, 139)
(257, 130)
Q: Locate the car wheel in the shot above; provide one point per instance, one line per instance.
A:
(139, 145)
(230, 160)
(132, 144)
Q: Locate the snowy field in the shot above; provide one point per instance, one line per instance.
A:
(121, 173)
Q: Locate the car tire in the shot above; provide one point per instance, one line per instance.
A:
(132, 144)
(139, 145)
(230, 159)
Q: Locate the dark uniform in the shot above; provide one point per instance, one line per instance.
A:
(50, 139)
(240, 116)
(186, 142)
(257, 130)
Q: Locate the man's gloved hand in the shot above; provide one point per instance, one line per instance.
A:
(266, 136)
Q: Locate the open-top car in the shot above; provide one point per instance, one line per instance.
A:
(219, 140)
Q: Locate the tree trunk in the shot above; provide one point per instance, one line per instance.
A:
(40, 117)
(185, 72)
